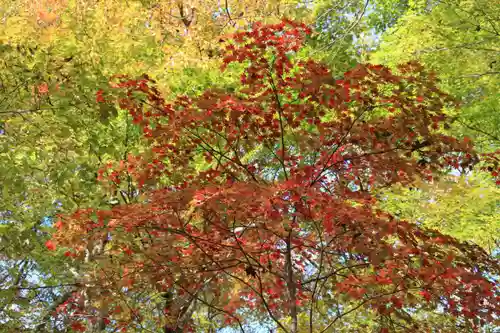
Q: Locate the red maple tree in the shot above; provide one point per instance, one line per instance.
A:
(279, 219)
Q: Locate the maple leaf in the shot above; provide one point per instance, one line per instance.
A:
(50, 245)
(58, 225)
(99, 97)
(426, 295)
(43, 88)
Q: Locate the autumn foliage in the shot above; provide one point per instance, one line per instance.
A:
(270, 206)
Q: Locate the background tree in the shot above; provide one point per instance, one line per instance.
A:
(463, 206)
(445, 35)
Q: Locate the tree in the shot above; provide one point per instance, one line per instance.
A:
(279, 220)
(444, 35)
(348, 30)
(464, 206)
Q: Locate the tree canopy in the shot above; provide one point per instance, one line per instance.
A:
(145, 189)
(281, 216)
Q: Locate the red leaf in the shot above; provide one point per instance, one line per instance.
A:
(425, 294)
(43, 88)
(77, 326)
(50, 245)
(58, 225)
(99, 98)
(128, 251)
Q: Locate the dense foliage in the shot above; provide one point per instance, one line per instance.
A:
(282, 214)
(82, 129)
